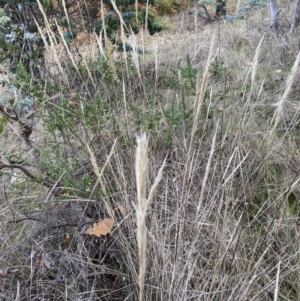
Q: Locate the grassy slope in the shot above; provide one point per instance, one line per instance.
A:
(222, 222)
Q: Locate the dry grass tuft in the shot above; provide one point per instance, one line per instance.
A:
(205, 203)
(141, 209)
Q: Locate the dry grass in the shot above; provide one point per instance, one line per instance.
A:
(206, 206)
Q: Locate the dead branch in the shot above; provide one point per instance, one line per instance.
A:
(26, 132)
(44, 182)
(207, 15)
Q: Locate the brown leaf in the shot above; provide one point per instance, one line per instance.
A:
(103, 227)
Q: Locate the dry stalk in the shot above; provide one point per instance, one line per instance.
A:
(253, 71)
(207, 170)
(278, 112)
(107, 43)
(255, 63)
(51, 39)
(201, 89)
(122, 25)
(18, 296)
(141, 209)
(277, 282)
(100, 174)
(67, 47)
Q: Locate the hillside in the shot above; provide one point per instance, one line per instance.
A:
(166, 174)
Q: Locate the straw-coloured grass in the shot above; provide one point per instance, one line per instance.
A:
(204, 204)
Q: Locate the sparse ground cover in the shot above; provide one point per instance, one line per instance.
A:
(220, 106)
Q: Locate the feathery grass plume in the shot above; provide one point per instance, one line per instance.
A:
(122, 25)
(277, 282)
(66, 12)
(154, 186)
(207, 170)
(278, 112)
(253, 71)
(107, 43)
(52, 40)
(253, 68)
(255, 63)
(147, 13)
(237, 7)
(67, 47)
(141, 182)
(201, 88)
(18, 296)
